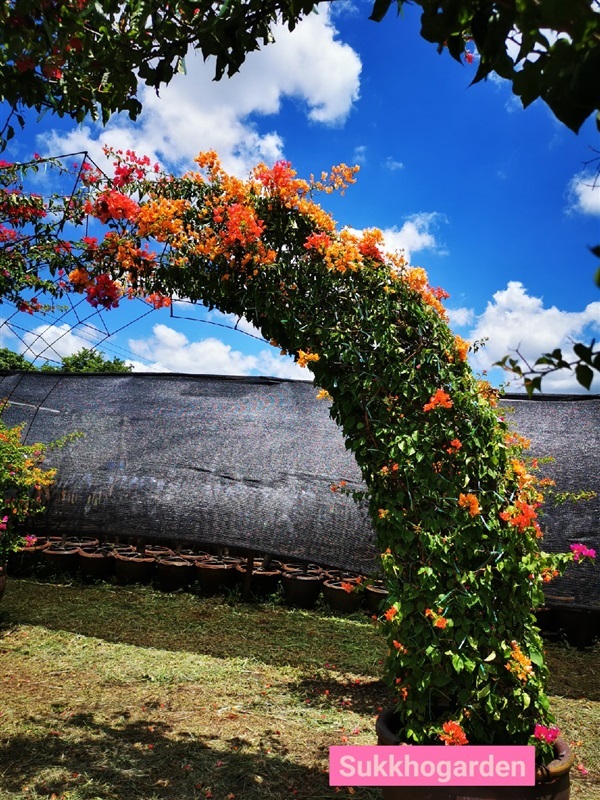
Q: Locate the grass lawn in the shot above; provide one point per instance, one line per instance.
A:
(119, 693)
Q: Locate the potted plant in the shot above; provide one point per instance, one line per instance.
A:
(453, 503)
(24, 485)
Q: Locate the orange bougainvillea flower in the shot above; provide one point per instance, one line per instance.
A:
(400, 647)
(454, 446)
(453, 734)
(462, 347)
(471, 503)
(439, 398)
(304, 358)
(438, 619)
(391, 613)
(519, 664)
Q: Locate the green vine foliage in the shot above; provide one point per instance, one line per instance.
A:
(453, 504)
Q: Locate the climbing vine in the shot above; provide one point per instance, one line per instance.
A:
(453, 501)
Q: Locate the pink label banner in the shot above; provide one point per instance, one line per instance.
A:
(431, 765)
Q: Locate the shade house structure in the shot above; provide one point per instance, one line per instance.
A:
(249, 463)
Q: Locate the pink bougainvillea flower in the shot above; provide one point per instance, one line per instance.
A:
(581, 551)
(545, 734)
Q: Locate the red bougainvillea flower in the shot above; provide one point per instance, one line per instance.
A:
(453, 734)
(104, 292)
(113, 206)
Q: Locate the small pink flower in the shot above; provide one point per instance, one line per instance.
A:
(30, 540)
(544, 734)
(581, 551)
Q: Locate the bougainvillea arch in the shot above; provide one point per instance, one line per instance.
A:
(453, 503)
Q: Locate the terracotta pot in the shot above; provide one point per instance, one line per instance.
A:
(96, 563)
(301, 589)
(375, 594)
(82, 541)
(157, 550)
(134, 568)
(298, 566)
(343, 575)
(25, 559)
(580, 626)
(264, 580)
(217, 574)
(174, 572)
(339, 599)
(193, 555)
(552, 780)
(61, 558)
(2, 581)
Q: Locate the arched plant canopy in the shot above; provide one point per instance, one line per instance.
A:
(453, 504)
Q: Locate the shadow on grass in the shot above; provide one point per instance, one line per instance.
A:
(123, 761)
(135, 615)
(364, 697)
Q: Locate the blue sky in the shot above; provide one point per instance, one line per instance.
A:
(492, 200)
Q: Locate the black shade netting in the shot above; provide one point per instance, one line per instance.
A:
(248, 463)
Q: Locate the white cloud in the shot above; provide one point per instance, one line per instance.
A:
(359, 156)
(53, 342)
(460, 316)
(195, 113)
(417, 233)
(171, 350)
(515, 320)
(584, 193)
(392, 164)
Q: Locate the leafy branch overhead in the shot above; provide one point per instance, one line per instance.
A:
(587, 361)
(82, 57)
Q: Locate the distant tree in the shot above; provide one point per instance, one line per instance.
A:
(10, 360)
(88, 361)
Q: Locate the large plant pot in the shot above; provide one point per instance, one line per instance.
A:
(339, 599)
(264, 580)
(375, 594)
(134, 568)
(157, 551)
(174, 573)
(217, 575)
(552, 781)
(61, 558)
(26, 559)
(193, 555)
(301, 589)
(96, 563)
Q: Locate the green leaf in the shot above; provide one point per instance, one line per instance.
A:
(584, 375)
(380, 9)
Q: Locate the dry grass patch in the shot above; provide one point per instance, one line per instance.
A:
(116, 694)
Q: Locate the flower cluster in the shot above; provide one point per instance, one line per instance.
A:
(470, 502)
(439, 398)
(453, 734)
(23, 484)
(581, 551)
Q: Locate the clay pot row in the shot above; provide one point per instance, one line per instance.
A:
(302, 584)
